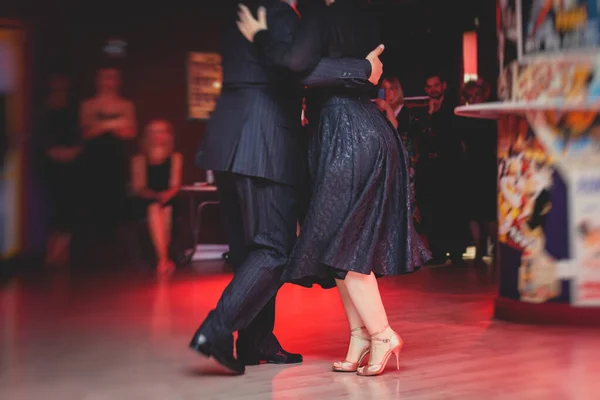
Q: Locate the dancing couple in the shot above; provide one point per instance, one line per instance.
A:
(356, 223)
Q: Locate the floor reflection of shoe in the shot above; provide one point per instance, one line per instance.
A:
(280, 357)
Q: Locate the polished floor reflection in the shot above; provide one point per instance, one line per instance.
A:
(108, 336)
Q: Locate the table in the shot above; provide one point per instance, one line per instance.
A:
(201, 251)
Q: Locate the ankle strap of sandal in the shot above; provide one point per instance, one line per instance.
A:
(356, 333)
(375, 338)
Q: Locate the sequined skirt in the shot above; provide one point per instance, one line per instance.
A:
(359, 217)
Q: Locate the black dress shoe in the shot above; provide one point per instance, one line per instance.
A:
(281, 357)
(220, 352)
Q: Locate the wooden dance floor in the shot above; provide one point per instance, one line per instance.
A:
(125, 337)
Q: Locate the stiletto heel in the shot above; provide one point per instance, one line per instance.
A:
(350, 366)
(394, 344)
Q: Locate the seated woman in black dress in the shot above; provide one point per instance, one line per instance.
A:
(359, 223)
(155, 180)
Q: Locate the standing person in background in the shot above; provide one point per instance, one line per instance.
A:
(440, 176)
(155, 181)
(107, 123)
(393, 104)
(62, 146)
(481, 169)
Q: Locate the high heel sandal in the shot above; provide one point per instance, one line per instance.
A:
(394, 345)
(350, 366)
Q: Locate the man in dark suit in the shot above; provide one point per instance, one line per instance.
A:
(255, 145)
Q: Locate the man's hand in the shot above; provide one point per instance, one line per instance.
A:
(376, 64)
(433, 106)
(248, 25)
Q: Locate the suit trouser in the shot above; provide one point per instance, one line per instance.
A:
(260, 217)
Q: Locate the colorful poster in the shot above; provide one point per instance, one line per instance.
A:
(558, 82)
(526, 197)
(572, 137)
(550, 27)
(205, 77)
(586, 217)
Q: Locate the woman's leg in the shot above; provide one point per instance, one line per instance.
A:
(354, 319)
(168, 227)
(363, 291)
(357, 327)
(156, 226)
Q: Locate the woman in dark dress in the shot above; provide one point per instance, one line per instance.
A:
(62, 146)
(155, 180)
(358, 225)
(107, 123)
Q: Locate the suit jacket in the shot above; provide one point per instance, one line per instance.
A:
(255, 128)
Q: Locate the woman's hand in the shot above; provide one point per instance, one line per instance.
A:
(385, 107)
(382, 105)
(248, 25)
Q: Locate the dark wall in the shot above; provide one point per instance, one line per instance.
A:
(154, 69)
(419, 36)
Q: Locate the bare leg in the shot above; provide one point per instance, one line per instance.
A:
(156, 226)
(364, 293)
(357, 345)
(167, 218)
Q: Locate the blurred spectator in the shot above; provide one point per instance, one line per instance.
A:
(107, 121)
(439, 175)
(393, 104)
(155, 181)
(480, 137)
(62, 146)
(399, 116)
